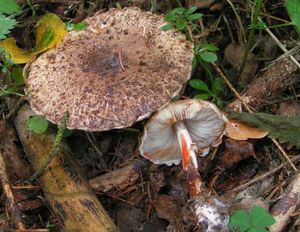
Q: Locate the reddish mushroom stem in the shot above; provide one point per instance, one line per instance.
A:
(189, 159)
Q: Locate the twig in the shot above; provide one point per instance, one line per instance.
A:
(97, 150)
(220, 72)
(282, 46)
(54, 149)
(263, 176)
(120, 59)
(14, 212)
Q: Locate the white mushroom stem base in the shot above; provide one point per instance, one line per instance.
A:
(186, 145)
(189, 159)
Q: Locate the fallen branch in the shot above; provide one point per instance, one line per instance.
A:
(286, 206)
(63, 184)
(267, 77)
(119, 179)
(14, 213)
(263, 176)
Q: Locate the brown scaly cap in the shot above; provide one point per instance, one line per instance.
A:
(117, 71)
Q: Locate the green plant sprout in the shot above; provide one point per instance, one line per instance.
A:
(257, 220)
(7, 22)
(206, 53)
(76, 26)
(37, 124)
(206, 93)
(182, 19)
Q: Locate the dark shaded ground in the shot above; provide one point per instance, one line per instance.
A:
(154, 200)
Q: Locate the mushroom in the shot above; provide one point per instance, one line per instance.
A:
(117, 71)
(174, 133)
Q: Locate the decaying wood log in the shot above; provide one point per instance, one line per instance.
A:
(63, 184)
(286, 206)
(17, 167)
(278, 76)
(12, 208)
(119, 179)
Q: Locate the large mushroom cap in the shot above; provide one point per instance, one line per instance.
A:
(204, 122)
(118, 70)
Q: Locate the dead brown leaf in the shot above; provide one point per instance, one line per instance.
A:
(236, 151)
(241, 131)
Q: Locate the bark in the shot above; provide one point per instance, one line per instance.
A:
(14, 213)
(120, 179)
(17, 167)
(287, 205)
(278, 76)
(63, 184)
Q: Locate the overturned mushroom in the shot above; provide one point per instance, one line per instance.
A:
(173, 134)
(178, 130)
(119, 70)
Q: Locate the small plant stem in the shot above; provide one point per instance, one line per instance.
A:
(238, 20)
(220, 72)
(31, 7)
(281, 25)
(179, 3)
(54, 149)
(251, 35)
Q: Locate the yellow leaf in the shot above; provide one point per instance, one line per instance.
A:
(50, 32)
(17, 55)
(240, 131)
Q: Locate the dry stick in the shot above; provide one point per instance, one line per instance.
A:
(14, 212)
(282, 46)
(120, 59)
(220, 72)
(263, 176)
(97, 150)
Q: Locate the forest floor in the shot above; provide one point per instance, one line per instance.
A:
(137, 194)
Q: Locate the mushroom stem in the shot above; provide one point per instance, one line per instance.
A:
(189, 159)
(186, 145)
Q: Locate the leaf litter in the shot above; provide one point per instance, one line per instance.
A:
(144, 197)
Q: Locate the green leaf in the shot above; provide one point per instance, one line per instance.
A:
(258, 26)
(259, 217)
(9, 7)
(167, 27)
(17, 74)
(194, 16)
(198, 84)
(191, 10)
(287, 129)
(208, 56)
(180, 23)
(177, 11)
(239, 219)
(50, 32)
(170, 18)
(80, 26)
(202, 96)
(216, 85)
(211, 47)
(6, 24)
(46, 39)
(37, 124)
(293, 8)
(257, 230)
